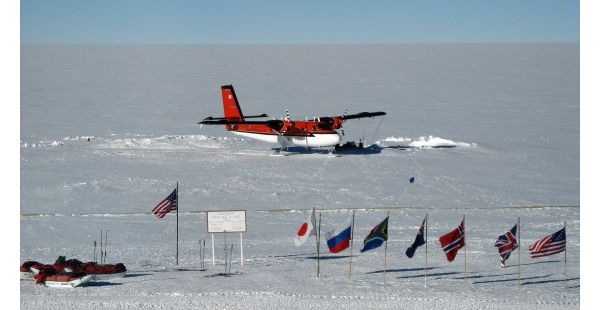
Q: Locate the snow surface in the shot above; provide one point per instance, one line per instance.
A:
(488, 130)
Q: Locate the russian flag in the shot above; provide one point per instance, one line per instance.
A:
(339, 238)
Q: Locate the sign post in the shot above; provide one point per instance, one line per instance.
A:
(241, 249)
(226, 222)
(212, 237)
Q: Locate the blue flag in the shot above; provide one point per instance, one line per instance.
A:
(419, 241)
(376, 237)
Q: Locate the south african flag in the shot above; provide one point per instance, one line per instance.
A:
(376, 237)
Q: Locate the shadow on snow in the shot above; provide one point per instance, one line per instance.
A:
(328, 257)
(94, 283)
(511, 279)
(549, 281)
(369, 150)
(403, 270)
(133, 275)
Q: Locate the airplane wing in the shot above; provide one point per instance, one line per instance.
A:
(335, 122)
(362, 115)
(273, 124)
(210, 118)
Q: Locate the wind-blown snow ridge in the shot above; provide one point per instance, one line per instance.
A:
(168, 142)
(42, 144)
(128, 141)
(425, 142)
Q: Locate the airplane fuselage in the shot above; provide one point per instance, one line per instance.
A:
(316, 140)
(292, 133)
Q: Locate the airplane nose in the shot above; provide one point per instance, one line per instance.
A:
(339, 138)
(331, 140)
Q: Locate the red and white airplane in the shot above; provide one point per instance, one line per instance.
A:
(320, 132)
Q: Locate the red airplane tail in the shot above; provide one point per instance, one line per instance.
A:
(233, 113)
(231, 106)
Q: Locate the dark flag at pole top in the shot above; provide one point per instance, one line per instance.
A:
(412, 180)
(419, 241)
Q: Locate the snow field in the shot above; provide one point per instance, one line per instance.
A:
(280, 274)
(487, 130)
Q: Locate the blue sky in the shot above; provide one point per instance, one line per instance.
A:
(297, 22)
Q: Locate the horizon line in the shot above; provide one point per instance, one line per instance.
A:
(303, 44)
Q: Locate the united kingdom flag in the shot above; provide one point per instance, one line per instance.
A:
(506, 244)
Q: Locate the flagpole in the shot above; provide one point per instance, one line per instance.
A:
(465, 240)
(565, 274)
(351, 243)
(316, 240)
(519, 247)
(105, 243)
(225, 240)
(318, 248)
(385, 255)
(412, 192)
(101, 249)
(177, 216)
(426, 227)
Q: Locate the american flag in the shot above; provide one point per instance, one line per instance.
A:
(549, 245)
(506, 243)
(166, 206)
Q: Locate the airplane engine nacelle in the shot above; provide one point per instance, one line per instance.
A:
(332, 122)
(338, 123)
(276, 125)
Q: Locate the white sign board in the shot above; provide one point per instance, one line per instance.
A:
(226, 221)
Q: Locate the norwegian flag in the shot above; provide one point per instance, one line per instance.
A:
(453, 241)
(549, 245)
(506, 244)
(167, 205)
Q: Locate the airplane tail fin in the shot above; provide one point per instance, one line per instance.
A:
(231, 106)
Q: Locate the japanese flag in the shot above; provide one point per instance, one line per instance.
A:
(305, 230)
